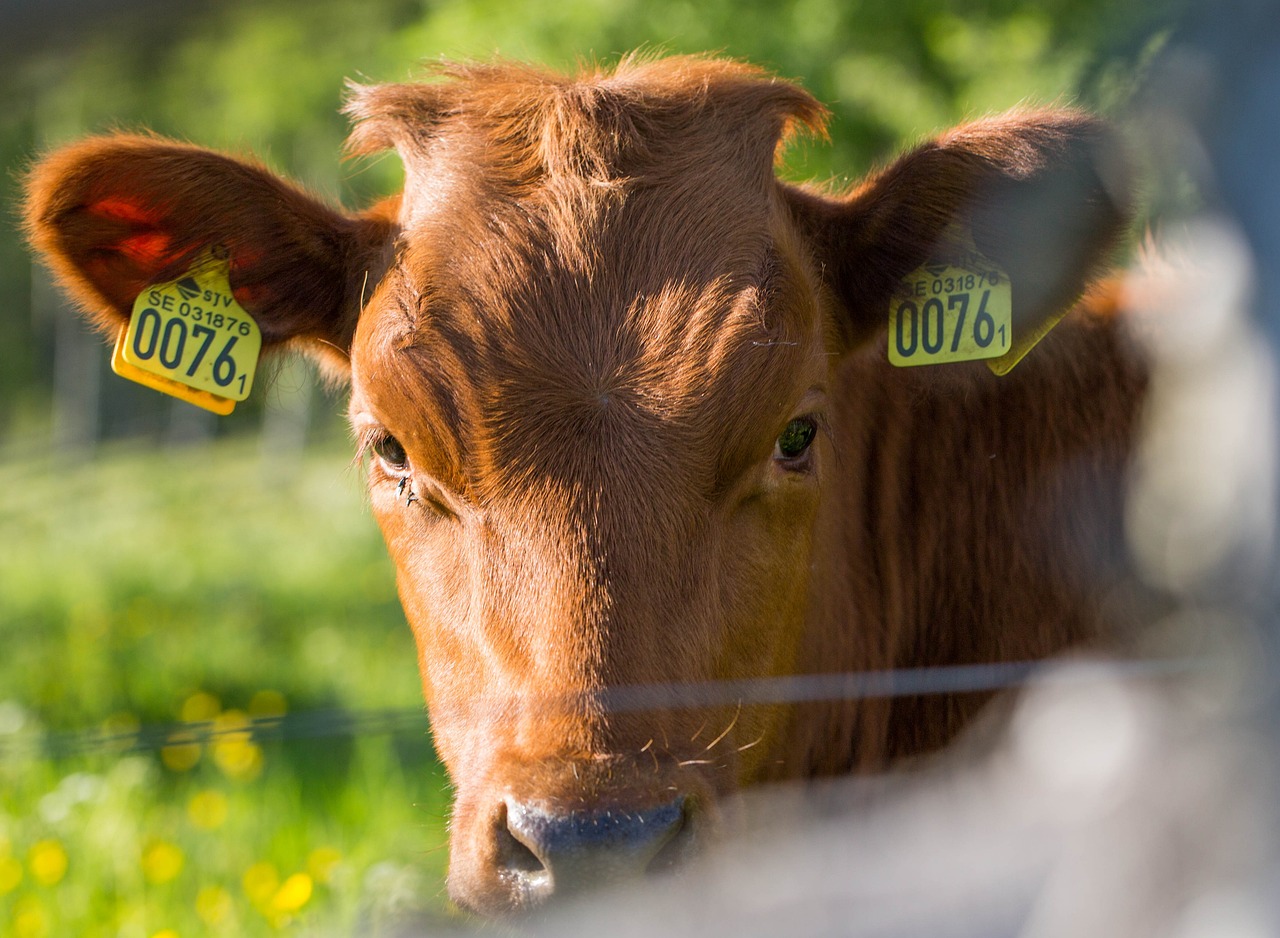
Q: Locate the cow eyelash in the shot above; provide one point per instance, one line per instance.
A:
(385, 447)
(793, 448)
(390, 452)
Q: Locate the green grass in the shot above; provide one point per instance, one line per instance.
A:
(150, 587)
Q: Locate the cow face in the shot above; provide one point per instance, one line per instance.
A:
(592, 386)
(592, 352)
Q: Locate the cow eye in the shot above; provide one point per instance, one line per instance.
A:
(387, 448)
(795, 440)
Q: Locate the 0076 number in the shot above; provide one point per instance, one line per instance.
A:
(169, 341)
(928, 327)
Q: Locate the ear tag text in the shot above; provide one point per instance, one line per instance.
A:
(957, 310)
(190, 339)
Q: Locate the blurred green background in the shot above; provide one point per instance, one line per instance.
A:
(168, 571)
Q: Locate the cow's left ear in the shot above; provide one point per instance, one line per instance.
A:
(1044, 194)
(113, 215)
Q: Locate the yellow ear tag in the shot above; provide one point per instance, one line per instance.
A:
(956, 310)
(191, 339)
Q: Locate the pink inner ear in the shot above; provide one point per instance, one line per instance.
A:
(119, 209)
(249, 295)
(149, 247)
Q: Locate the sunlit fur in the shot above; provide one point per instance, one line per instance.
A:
(587, 321)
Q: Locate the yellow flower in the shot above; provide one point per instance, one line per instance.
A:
(267, 703)
(165, 933)
(232, 724)
(161, 862)
(207, 809)
(48, 862)
(260, 883)
(239, 759)
(182, 753)
(293, 894)
(10, 874)
(321, 863)
(30, 920)
(200, 707)
(234, 751)
(213, 905)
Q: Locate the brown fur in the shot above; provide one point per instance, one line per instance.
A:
(587, 322)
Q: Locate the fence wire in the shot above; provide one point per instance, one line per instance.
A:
(812, 688)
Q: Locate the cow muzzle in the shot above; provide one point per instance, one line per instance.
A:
(531, 845)
(543, 852)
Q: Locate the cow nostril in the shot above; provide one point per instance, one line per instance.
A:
(545, 851)
(516, 856)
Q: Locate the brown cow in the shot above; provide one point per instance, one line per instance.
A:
(631, 422)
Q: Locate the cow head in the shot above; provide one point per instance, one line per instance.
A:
(591, 351)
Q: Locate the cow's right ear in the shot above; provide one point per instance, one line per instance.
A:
(112, 215)
(1043, 194)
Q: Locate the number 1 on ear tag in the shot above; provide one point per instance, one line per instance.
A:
(189, 338)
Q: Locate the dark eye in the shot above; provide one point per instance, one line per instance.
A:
(387, 448)
(795, 440)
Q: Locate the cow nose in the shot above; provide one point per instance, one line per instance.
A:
(546, 853)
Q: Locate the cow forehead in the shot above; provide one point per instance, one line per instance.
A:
(602, 263)
(511, 155)
(512, 349)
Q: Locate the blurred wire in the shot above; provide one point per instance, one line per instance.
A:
(315, 724)
(1103, 808)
